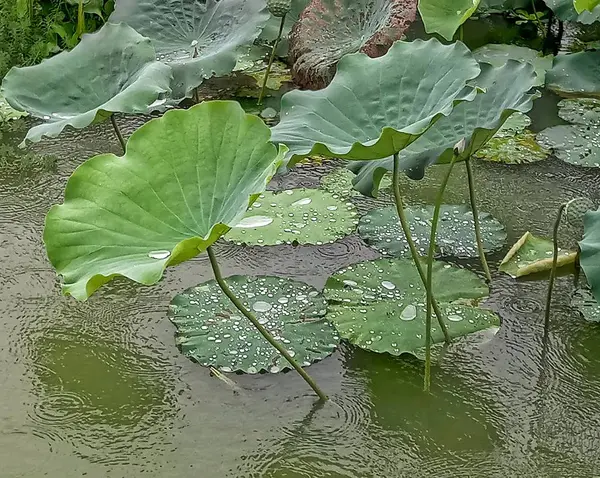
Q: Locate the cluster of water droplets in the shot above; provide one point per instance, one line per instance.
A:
(575, 144)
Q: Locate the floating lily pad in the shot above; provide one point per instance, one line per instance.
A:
(584, 111)
(515, 124)
(532, 254)
(575, 144)
(8, 113)
(590, 251)
(213, 332)
(381, 229)
(576, 73)
(305, 216)
(339, 181)
(518, 149)
(584, 302)
(380, 305)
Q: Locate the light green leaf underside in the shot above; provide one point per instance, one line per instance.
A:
(184, 180)
(112, 70)
(565, 11)
(8, 113)
(305, 216)
(215, 29)
(585, 111)
(576, 74)
(380, 228)
(532, 254)
(380, 305)
(575, 144)
(582, 5)
(363, 114)
(590, 251)
(446, 16)
(211, 331)
(584, 302)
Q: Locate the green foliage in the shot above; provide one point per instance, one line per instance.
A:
(590, 251)
(446, 16)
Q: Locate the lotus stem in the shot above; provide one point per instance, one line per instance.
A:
(264, 332)
(480, 249)
(411, 244)
(429, 286)
(554, 266)
(271, 59)
(118, 132)
(537, 19)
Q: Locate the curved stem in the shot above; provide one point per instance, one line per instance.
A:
(264, 332)
(480, 249)
(118, 132)
(537, 19)
(411, 244)
(271, 59)
(554, 266)
(429, 284)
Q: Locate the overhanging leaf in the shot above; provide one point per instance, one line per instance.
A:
(197, 39)
(575, 144)
(582, 5)
(212, 332)
(445, 16)
(584, 111)
(590, 251)
(112, 70)
(576, 74)
(363, 114)
(566, 12)
(184, 180)
(380, 305)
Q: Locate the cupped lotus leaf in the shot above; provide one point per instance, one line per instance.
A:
(446, 16)
(112, 70)
(582, 5)
(575, 144)
(566, 12)
(197, 39)
(304, 216)
(380, 305)
(576, 74)
(329, 29)
(8, 113)
(499, 54)
(584, 111)
(364, 114)
(506, 92)
(531, 255)
(586, 304)
(590, 251)
(380, 229)
(185, 179)
(211, 331)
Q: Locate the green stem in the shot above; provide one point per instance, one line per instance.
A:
(461, 33)
(484, 264)
(118, 132)
(429, 283)
(554, 266)
(264, 332)
(539, 22)
(411, 244)
(271, 59)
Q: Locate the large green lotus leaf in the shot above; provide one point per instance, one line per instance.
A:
(329, 29)
(375, 107)
(576, 73)
(184, 180)
(586, 304)
(445, 16)
(575, 144)
(590, 251)
(506, 92)
(499, 54)
(380, 229)
(305, 216)
(197, 39)
(531, 255)
(566, 12)
(582, 5)
(584, 111)
(112, 70)
(211, 331)
(380, 305)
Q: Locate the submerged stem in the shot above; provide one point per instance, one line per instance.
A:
(554, 266)
(118, 131)
(480, 249)
(264, 332)
(411, 244)
(271, 59)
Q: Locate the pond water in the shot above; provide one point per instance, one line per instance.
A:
(99, 389)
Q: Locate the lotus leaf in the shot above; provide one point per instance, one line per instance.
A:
(584, 302)
(575, 144)
(112, 70)
(566, 12)
(584, 111)
(518, 149)
(582, 5)
(8, 113)
(363, 114)
(455, 234)
(380, 305)
(532, 254)
(446, 16)
(210, 331)
(499, 54)
(590, 251)
(305, 216)
(339, 182)
(329, 29)
(197, 39)
(183, 181)
(506, 91)
(576, 73)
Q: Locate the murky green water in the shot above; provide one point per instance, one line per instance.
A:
(98, 389)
